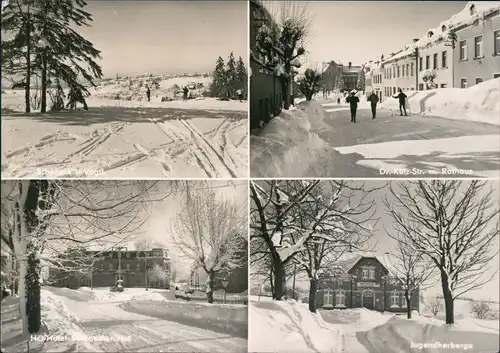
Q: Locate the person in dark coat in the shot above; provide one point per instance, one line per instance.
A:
(338, 101)
(185, 93)
(353, 101)
(402, 101)
(148, 93)
(373, 99)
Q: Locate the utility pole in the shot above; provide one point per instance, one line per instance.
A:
(119, 249)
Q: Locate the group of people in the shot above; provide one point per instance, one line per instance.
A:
(185, 92)
(353, 101)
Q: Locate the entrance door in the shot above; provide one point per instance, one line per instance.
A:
(368, 300)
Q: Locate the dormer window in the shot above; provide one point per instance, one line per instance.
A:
(472, 9)
(443, 28)
(430, 34)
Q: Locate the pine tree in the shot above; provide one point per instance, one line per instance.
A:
(310, 83)
(219, 79)
(360, 84)
(231, 75)
(46, 32)
(241, 75)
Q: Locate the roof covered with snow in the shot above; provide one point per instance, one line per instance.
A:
(348, 260)
(473, 10)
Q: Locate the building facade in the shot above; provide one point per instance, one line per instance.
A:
(364, 283)
(349, 75)
(266, 100)
(477, 52)
(105, 268)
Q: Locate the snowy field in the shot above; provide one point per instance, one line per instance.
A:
(201, 137)
(359, 330)
(133, 320)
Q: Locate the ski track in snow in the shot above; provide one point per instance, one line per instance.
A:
(215, 153)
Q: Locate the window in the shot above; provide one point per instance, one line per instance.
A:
(444, 64)
(403, 69)
(412, 68)
(463, 50)
(393, 90)
(340, 298)
(427, 62)
(110, 266)
(407, 70)
(478, 47)
(479, 80)
(398, 71)
(371, 273)
(138, 267)
(463, 83)
(435, 61)
(403, 300)
(365, 272)
(420, 64)
(127, 254)
(420, 86)
(443, 85)
(496, 43)
(496, 76)
(394, 299)
(328, 297)
(128, 266)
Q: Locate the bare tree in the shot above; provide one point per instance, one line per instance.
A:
(455, 225)
(481, 309)
(412, 270)
(211, 232)
(55, 221)
(435, 305)
(280, 44)
(279, 207)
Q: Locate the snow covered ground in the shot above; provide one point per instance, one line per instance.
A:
(197, 138)
(288, 326)
(479, 103)
(133, 320)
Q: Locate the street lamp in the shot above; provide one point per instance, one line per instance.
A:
(224, 285)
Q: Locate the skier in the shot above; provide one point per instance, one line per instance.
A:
(239, 92)
(373, 99)
(185, 93)
(353, 101)
(75, 95)
(402, 101)
(148, 93)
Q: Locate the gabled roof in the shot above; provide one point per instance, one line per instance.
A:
(349, 260)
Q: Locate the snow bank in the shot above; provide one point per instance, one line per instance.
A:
(60, 322)
(198, 103)
(138, 294)
(286, 140)
(288, 326)
(479, 103)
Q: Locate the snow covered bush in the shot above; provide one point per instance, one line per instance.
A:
(309, 83)
(481, 309)
(428, 76)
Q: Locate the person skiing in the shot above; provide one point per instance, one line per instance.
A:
(338, 101)
(75, 95)
(402, 101)
(239, 92)
(148, 93)
(185, 93)
(353, 101)
(373, 99)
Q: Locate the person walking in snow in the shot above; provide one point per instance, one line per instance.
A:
(338, 101)
(353, 101)
(402, 101)
(148, 93)
(239, 92)
(185, 93)
(373, 99)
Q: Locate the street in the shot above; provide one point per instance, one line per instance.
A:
(407, 146)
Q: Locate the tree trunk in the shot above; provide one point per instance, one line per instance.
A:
(309, 96)
(210, 288)
(313, 287)
(33, 306)
(408, 305)
(279, 279)
(44, 82)
(28, 68)
(448, 299)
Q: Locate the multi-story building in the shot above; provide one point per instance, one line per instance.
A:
(104, 268)
(477, 54)
(348, 73)
(267, 98)
(374, 79)
(363, 281)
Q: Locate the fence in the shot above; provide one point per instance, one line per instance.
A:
(217, 299)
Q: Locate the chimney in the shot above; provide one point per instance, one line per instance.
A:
(350, 64)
